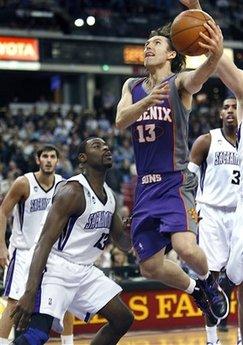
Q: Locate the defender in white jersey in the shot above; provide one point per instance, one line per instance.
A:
(232, 77)
(28, 198)
(216, 156)
(81, 219)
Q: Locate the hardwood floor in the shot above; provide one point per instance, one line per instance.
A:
(180, 337)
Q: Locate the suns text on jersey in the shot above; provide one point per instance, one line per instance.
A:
(226, 157)
(156, 113)
(100, 219)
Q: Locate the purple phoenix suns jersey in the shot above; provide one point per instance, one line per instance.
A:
(160, 135)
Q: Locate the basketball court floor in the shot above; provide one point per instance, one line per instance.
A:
(179, 337)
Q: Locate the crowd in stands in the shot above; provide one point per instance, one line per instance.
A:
(145, 15)
(122, 18)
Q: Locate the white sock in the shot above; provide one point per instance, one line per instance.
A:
(67, 339)
(238, 334)
(191, 286)
(4, 341)
(204, 277)
(212, 336)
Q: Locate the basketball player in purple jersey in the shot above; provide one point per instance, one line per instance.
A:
(157, 110)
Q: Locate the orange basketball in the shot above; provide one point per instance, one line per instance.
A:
(185, 31)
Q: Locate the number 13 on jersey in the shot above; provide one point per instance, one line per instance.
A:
(146, 133)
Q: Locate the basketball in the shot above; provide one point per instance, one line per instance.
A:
(185, 31)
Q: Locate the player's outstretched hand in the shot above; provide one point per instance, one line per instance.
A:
(4, 255)
(22, 312)
(214, 43)
(158, 94)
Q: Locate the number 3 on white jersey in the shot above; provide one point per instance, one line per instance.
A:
(146, 133)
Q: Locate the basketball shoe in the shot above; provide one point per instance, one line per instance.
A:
(217, 343)
(217, 299)
(202, 303)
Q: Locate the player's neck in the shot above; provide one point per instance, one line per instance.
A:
(158, 75)
(96, 180)
(230, 134)
(45, 180)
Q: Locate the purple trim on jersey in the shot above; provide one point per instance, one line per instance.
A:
(21, 207)
(38, 295)
(87, 316)
(238, 136)
(9, 276)
(66, 232)
(203, 169)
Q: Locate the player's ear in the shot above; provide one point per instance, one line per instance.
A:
(172, 54)
(82, 158)
(37, 160)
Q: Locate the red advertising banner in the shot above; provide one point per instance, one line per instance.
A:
(162, 309)
(19, 49)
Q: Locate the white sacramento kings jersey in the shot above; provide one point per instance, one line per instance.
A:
(28, 214)
(219, 173)
(85, 236)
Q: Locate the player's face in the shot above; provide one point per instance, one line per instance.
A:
(47, 162)
(156, 52)
(229, 112)
(98, 153)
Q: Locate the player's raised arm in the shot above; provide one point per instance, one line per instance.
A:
(68, 201)
(192, 81)
(191, 4)
(128, 113)
(18, 191)
(231, 75)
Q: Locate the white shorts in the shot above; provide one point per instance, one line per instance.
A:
(17, 272)
(215, 230)
(234, 268)
(81, 289)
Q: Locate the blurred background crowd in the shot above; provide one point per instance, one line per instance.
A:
(115, 17)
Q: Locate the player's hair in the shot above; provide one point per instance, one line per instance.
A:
(179, 62)
(229, 97)
(47, 148)
(82, 146)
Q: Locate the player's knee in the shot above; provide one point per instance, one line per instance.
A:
(126, 319)
(146, 272)
(186, 252)
(152, 271)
